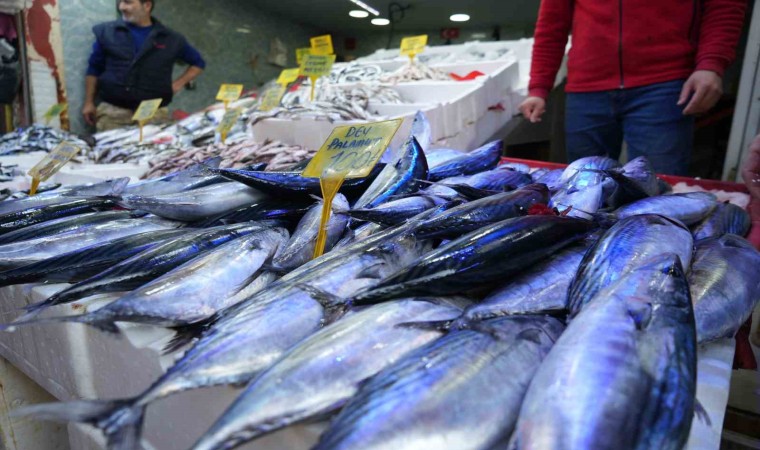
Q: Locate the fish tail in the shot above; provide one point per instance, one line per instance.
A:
(104, 324)
(334, 307)
(184, 335)
(120, 420)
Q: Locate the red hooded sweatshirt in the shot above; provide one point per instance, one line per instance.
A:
(629, 43)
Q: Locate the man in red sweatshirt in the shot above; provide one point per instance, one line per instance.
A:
(638, 71)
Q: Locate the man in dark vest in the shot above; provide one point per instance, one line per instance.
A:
(131, 61)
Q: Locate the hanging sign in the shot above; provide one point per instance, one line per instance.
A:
(55, 111)
(351, 151)
(322, 45)
(52, 163)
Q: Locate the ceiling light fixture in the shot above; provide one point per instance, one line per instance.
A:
(358, 13)
(366, 7)
(380, 21)
(459, 18)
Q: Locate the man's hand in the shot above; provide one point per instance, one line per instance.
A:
(707, 87)
(177, 86)
(533, 108)
(89, 113)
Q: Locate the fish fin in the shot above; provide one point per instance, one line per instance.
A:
(103, 324)
(120, 420)
(334, 307)
(701, 413)
(186, 334)
(433, 325)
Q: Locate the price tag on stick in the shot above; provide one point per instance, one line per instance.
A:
(300, 53)
(413, 45)
(288, 76)
(55, 111)
(272, 98)
(145, 112)
(229, 93)
(322, 45)
(51, 164)
(351, 151)
(315, 66)
(229, 120)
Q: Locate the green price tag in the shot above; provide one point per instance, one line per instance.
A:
(55, 111)
(300, 53)
(413, 45)
(229, 92)
(288, 76)
(353, 150)
(53, 161)
(272, 98)
(147, 110)
(322, 45)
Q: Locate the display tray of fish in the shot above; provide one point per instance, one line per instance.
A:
(38, 138)
(457, 304)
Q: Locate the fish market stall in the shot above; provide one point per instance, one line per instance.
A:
(202, 282)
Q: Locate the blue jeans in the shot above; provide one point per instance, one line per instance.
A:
(647, 118)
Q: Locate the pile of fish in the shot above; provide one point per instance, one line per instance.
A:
(459, 304)
(37, 138)
(355, 73)
(415, 71)
(276, 155)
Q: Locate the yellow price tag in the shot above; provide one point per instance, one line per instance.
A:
(54, 111)
(300, 53)
(229, 92)
(272, 98)
(52, 163)
(147, 110)
(322, 45)
(288, 76)
(353, 150)
(413, 45)
(229, 120)
(316, 65)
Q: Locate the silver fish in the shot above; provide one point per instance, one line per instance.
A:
(63, 195)
(196, 204)
(690, 208)
(462, 391)
(726, 218)
(628, 244)
(321, 373)
(623, 374)
(724, 285)
(582, 195)
(300, 247)
(589, 162)
(439, 156)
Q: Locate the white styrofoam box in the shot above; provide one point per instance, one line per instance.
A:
(72, 361)
(434, 114)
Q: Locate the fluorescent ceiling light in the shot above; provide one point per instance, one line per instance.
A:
(358, 13)
(380, 21)
(459, 18)
(366, 7)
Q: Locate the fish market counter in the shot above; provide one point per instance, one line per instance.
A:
(74, 361)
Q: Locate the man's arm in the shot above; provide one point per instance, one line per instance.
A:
(555, 18)
(719, 32)
(751, 176)
(96, 66)
(190, 74)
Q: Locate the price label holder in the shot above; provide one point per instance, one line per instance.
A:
(55, 111)
(229, 120)
(51, 164)
(300, 53)
(315, 66)
(413, 45)
(288, 76)
(322, 45)
(229, 93)
(145, 112)
(351, 151)
(272, 98)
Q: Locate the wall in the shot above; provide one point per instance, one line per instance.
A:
(230, 34)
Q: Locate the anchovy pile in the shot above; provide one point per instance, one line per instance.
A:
(355, 73)
(415, 71)
(457, 304)
(37, 138)
(276, 155)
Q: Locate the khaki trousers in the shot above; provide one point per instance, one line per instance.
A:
(110, 117)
